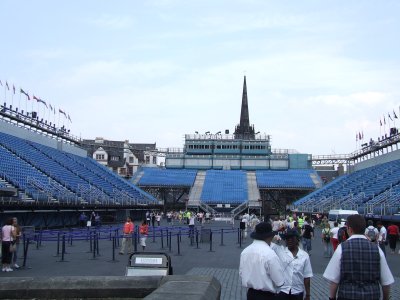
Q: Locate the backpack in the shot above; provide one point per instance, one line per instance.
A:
(342, 234)
(327, 234)
(371, 234)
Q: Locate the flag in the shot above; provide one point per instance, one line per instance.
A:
(25, 93)
(8, 88)
(359, 136)
(35, 98)
(356, 137)
(69, 118)
(14, 89)
(362, 135)
(62, 112)
(394, 115)
(1, 83)
(390, 117)
(384, 120)
(51, 107)
(380, 121)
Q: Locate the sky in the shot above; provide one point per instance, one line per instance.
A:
(318, 72)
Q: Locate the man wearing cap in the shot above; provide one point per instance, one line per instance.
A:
(296, 267)
(260, 269)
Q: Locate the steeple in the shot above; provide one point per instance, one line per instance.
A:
(244, 130)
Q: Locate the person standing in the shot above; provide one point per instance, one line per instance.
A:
(326, 240)
(296, 267)
(307, 233)
(18, 233)
(158, 219)
(358, 268)
(334, 236)
(153, 219)
(7, 237)
(382, 236)
(259, 269)
(371, 232)
(128, 230)
(191, 226)
(393, 235)
(144, 232)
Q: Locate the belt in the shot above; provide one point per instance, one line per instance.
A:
(262, 292)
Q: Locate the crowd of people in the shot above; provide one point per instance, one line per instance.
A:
(277, 264)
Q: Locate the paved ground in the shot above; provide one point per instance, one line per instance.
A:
(221, 261)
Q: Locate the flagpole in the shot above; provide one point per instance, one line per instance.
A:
(19, 101)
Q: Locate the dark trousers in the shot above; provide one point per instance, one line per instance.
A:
(253, 294)
(283, 296)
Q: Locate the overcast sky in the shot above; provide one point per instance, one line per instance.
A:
(318, 72)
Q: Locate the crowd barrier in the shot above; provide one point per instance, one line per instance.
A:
(165, 235)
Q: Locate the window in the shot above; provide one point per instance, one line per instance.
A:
(154, 160)
(99, 156)
(147, 159)
(115, 158)
(131, 160)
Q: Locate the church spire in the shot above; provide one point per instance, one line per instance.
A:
(244, 130)
(244, 113)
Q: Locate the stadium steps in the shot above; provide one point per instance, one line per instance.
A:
(6, 184)
(317, 180)
(196, 190)
(253, 191)
(138, 176)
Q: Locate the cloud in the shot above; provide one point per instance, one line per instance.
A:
(112, 22)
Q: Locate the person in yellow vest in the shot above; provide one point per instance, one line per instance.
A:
(300, 221)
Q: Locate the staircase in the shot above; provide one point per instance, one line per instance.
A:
(197, 188)
(195, 194)
(137, 176)
(253, 191)
(317, 180)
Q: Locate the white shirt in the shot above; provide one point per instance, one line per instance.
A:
(260, 268)
(332, 271)
(295, 269)
(276, 225)
(376, 232)
(382, 234)
(191, 220)
(334, 232)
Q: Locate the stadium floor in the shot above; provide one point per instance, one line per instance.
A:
(222, 262)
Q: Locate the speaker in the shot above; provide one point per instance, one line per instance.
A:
(34, 115)
(393, 131)
(226, 131)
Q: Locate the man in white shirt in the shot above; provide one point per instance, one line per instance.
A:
(371, 232)
(334, 236)
(296, 267)
(358, 269)
(260, 269)
(382, 236)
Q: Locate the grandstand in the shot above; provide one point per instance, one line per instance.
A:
(373, 190)
(230, 173)
(52, 176)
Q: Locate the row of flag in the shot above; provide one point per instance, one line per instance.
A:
(382, 122)
(52, 108)
(389, 117)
